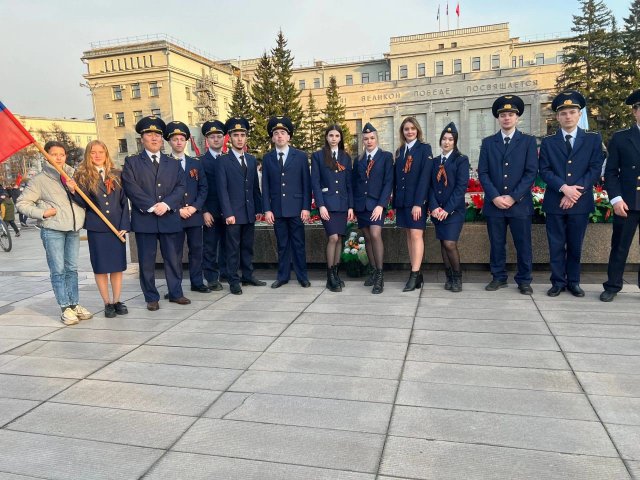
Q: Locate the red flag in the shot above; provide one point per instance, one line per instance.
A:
(458, 9)
(194, 146)
(14, 136)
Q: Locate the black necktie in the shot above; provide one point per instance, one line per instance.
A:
(154, 158)
(101, 172)
(368, 160)
(567, 142)
(442, 159)
(335, 156)
(506, 142)
(244, 165)
(281, 160)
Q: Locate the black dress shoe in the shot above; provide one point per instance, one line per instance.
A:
(153, 306)
(279, 283)
(495, 284)
(253, 281)
(166, 296)
(607, 296)
(180, 301)
(235, 289)
(109, 310)
(575, 290)
(525, 289)
(200, 288)
(121, 308)
(215, 286)
(304, 283)
(555, 290)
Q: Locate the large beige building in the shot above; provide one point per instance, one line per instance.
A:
(80, 131)
(438, 77)
(135, 77)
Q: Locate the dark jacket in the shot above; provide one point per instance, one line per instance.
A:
(374, 190)
(239, 195)
(286, 193)
(622, 173)
(113, 205)
(412, 188)
(196, 191)
(332, 188)
(450, 197)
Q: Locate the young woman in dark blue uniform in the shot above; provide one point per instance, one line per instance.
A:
(449, 179)
(103, 185)
(413, 165)
(331, 183)
(372, 186)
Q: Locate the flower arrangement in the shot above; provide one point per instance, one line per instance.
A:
(354, 255)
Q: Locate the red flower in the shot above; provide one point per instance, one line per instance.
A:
(478, 201)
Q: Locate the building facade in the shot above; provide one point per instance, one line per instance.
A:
(135, 77)
(438, 77)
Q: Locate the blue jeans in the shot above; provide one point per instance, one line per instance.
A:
(62, 258)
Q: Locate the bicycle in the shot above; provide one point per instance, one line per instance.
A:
(5, 237)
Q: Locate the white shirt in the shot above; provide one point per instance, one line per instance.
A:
(410, 145)
(573, 135)
(373, 153)
(510, 135)
(336, 152)
(237, 155)
(286, 154)
(101, 172)
(214, 153)
(445, 156)
(183, 161)
(157, 154)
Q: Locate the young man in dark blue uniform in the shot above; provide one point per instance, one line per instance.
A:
(570, 164)
(155, 184)
(507, 168)
(177, 134)
(214, 261)
(622, 182)
(240, 202)
(286, 197)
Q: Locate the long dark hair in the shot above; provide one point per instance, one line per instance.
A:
(328, 159)
(455, 140)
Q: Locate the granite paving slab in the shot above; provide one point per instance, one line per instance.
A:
(595, 362)
(46, 367)
(32, 388)
(354, 348)
(348, 332)
(11, 408)
(144, 429)
(213, 340)
(335, 449)
(199, 357)
(491, 340)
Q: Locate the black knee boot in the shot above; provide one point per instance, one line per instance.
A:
(332, 283)
(378, 281)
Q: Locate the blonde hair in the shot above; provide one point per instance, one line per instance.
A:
(415, 123)
(87, 175)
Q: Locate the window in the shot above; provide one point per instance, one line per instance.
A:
(457, 65)
(439, 68)
(454, 44)
(384, 76)
(514, 62)
(187, 92)
(349, 80)
(122, 145)
(521, 61)
(78, 140)
(495, 61)
(403, 71)
(135, 90)
(156, 112)
(301, 84)
(119, 119)
(137, 116)
(559, 57)
(154, 89)
(117, 92)
(475, 64)
(539, 58)
(365, 78)
(138, 144)
(316, 82)
(422, 71)
(190, 118)
(441, 46)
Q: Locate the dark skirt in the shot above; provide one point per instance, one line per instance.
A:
(107, 253)
(449, 230)
(364, 219)
(337, 223)
(405, 220)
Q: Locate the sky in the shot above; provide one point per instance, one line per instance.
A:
(43, 40)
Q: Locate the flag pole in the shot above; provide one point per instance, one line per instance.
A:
(79, 191)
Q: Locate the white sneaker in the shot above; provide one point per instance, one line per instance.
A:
(82, 313)
(69, 317)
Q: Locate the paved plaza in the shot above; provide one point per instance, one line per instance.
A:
(312, 385)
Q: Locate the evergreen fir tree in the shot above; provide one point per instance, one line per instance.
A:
(240, 102)
(312, 126)
(631, 42)
(335, 113)
(286, 94)
(264, 101)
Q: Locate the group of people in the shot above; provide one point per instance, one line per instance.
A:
(8, 196)
(213, 202)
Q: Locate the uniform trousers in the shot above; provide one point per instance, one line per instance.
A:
(521, 233)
